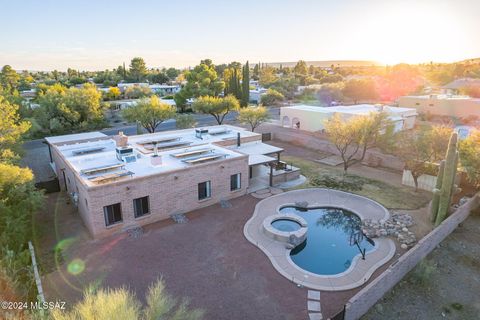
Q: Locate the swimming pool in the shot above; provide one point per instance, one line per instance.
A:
(334, 238)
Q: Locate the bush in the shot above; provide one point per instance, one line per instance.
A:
(348, 183)
(271, 97)
(423, 272)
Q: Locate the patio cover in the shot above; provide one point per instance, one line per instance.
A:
(257, 148)
(255, 159)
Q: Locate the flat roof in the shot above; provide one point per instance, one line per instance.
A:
(175, 149)
(256, 147)
(75, 137)
(359, 109)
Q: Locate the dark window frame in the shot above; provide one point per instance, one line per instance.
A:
(106, 214)
(207, 194)
(237, 185)
(147, 202)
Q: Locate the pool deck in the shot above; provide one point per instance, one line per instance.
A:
(360, 270)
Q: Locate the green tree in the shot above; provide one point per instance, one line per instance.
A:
(360, 90)
(63, 109)
(271, 97)
(150, 113)
(136, 92)
(420, 150)
(9, 78)
(11, 128)
(106, 304)
(138, 69)
(267, 76)
(245, 85)
(253, 116)
(469, 149)
(301, 71)
(215, 106)
(346, 136)
(185, 121)
(201, 81)
(172, 73)
(371, 128)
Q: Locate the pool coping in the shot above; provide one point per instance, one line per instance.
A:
(359, 271)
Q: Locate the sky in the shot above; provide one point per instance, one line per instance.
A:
(102, 34)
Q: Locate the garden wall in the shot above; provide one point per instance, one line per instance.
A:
(318, 141)
(359, 304)
(425, 181)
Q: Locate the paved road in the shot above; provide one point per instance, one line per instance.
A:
(202, 120)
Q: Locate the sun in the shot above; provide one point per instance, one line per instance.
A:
(416, 34)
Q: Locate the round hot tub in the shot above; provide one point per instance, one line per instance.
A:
(285, 228)
(287, 225)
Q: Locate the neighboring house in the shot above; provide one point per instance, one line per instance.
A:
(443, 105)
(256, 95)
(124, 86)
(126, 103)
(455, 86)
(163, 89)
(312, 118)
(123, 182)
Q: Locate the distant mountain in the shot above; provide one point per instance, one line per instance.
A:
(328, 63)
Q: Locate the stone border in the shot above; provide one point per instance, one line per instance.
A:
(359, 271)
(284, 236)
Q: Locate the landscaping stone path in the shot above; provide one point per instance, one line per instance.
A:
(313, 305)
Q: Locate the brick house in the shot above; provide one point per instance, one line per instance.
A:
(123, 182)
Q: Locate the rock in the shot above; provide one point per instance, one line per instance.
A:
(404, 246)
(301, 204)
(404, 229)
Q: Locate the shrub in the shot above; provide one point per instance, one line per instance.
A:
(423, 272)
(348, 183)
(271, 97)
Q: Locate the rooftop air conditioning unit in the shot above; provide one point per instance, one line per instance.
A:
(199, 132)
(125, 154)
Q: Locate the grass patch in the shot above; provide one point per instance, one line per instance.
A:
(422, 274)
(390, 196)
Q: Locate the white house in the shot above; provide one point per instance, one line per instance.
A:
(312, 118)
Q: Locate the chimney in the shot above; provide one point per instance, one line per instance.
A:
(238, 139)
(121, 140)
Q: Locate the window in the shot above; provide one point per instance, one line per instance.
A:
(113, 214)
(204, 190)
(141, 207)
(235, 181)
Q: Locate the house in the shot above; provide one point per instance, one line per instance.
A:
(123, 86)
(124, 182)
(256, 95)
(313, 118)
(457, 85)
(163, 89)
(454, 106)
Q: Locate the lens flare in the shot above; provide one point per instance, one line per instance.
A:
(76, 266)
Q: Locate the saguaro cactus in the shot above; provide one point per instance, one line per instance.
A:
(448, 180)
(436, 192)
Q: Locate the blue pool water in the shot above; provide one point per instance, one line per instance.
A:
(286, 225)
(332, 238)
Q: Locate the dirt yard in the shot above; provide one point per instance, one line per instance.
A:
(445, 285)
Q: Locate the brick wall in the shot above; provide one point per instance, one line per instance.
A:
(170, 192)
(360, 303)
